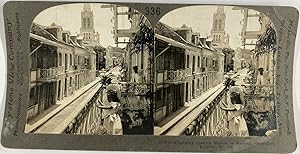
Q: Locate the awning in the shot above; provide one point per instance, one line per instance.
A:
(44, 40)
(176, 43)
(171, 41)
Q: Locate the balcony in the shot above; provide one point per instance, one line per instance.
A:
(176, 76)
(137, 89)
(199, 70)
(49, 74)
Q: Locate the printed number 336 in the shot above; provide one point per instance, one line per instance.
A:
(152, 11)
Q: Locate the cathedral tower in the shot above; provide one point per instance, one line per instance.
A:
(87, 30)
(218, 34)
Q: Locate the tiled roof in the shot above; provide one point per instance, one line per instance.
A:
(165, 30)
(40, 31)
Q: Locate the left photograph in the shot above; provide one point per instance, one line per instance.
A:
(90, 71)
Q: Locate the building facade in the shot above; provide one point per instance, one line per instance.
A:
(186, 67)
(59, 66)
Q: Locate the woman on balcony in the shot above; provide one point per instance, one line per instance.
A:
(236, 109)
(112, 121)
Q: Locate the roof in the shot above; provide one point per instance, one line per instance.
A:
(165, 33)
(164, 30)
(40, 31)
(44, 40)
(171, 41)
(75, 44)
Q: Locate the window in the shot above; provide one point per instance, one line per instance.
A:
(60, 59)
(66, 61)
(88, 23)
(70, 81)
(70, 59)
(198, 61)
(204, 61)
(84, 22)
(194, 63)
(187, 61)
(216, 24)
(76, 60)
(220, 24)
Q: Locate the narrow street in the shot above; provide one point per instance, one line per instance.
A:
(177, 123)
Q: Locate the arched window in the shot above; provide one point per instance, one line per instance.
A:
(88, 23)
(220, 24)
(84, 22)
(216, 24)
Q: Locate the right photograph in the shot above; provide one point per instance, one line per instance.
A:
(214, 72)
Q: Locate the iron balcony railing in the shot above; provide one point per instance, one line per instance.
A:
(177, 75)
(47, 74)
(138, 89)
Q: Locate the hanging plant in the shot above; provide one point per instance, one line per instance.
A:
(145, 36)
(267, 41)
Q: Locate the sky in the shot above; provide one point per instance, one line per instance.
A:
(69, 17)
(200, 18)
(197, 17)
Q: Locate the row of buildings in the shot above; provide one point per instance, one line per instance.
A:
(60, 64)
(187, 64)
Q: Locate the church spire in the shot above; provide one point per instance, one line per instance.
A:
(87, 7)
(87, 30)
(218, 34)
(220, 9)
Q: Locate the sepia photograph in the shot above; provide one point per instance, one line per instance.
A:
(90, 71)
(164, 77)
(214, 72)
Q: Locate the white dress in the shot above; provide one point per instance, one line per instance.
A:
(112, 121)
(237, 123)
